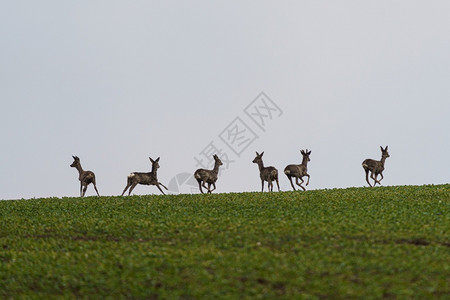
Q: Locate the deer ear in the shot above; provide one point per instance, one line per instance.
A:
(151, 160)
(309, 152)
(261, 154)
(302, 151)
(386, 148)
(74, 157)
(157, 159)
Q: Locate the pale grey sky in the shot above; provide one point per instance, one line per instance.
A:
(115, 82)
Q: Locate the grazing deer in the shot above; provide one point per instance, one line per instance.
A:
(151, 178)
(375, 167)
(268, 174)
(298, 171)
(86, 177)
(208, 176)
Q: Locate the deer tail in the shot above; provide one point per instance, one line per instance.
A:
(274, 173)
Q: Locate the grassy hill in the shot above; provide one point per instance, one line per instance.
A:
(385, 242)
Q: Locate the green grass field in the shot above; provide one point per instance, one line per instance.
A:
(385, 242)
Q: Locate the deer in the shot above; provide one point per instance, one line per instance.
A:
(150, 178)
(268, 174)
(85, 177)
(375, 167)
(208, 176)
(299, 171)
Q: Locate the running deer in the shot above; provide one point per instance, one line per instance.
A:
(86, 177)
(298, 171)
(208, 176)
(375, 167)
(151, 178)
(268, 174)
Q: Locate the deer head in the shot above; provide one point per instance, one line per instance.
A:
(217, 159)
(306, 154)
(155, 163)
(76, 161)
(258, 157)
(384, 152)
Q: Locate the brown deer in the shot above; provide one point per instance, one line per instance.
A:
(151, 178)
(375, 167)
(208, 176)
(268, 174)
(86, 177)
(298, 171)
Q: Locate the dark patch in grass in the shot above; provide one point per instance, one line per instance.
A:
(421, 242)
(262, 281)
(5, 259)
(415, 242)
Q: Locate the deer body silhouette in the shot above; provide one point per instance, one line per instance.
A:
(298, 171)
(208, 176)
(268, 174)
(85, 177)
(375, 167)
(150, 178)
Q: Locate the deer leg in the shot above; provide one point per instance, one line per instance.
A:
(132, 187)
(367, 176)
(269, 185)
(163, 186)
(128, 185)
(214, 185)
(307, 182)
(200, 185)
(299, 184)
(374, 177)
(159, 188)
(204, 185)
(278, 184)
(262, 185)
(84, 190)
(381, 174)
(81, 189)
(290, 179)
(95, 187)
(209, 188)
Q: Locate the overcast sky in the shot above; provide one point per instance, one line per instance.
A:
(115, 82)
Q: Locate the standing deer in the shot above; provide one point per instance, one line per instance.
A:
(268, 174)
(298, 171)
(375, 167)
(151, 178)
(86, 177)
(208, 176)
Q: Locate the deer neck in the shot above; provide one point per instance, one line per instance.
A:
(216, 168)
(154, 170)
(383, 159)
(79, 168)
(260, 165)
(305, 161)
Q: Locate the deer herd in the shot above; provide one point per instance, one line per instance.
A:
(209, 177)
